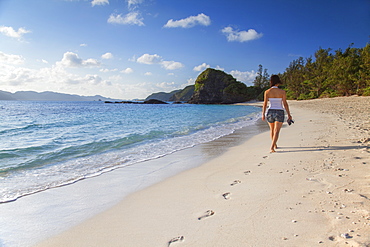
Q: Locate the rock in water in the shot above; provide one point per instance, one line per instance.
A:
(216, 87)
(154, 101)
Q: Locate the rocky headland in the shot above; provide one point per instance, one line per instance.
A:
(216, 87)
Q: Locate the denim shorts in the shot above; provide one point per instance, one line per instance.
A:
(274, 115)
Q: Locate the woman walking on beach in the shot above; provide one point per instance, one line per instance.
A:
(275, 113)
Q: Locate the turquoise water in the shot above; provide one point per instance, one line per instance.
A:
(49, 144)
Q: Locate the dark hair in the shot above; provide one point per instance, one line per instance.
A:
(274, 80)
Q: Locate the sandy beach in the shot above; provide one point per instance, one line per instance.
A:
(314, 191)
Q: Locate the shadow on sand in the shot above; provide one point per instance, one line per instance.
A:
(315, 149)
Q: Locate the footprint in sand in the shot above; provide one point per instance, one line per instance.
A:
(235, 182)
(177, 239)
(247, 172)
(207, 214)
(226, 195)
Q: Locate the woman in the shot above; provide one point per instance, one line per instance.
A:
(275, 113)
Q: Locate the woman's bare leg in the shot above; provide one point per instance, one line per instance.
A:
(274, 132)
(272, 127)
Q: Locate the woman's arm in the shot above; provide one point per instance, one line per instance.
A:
(286, 106)
(264, 105)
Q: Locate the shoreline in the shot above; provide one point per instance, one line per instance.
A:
(312, 192)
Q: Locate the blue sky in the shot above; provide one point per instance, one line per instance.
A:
(128, 49)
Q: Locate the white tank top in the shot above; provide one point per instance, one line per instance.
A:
(276, 103)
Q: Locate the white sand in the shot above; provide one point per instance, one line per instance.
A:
(315, 191)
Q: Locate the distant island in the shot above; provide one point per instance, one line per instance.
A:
(49, 96)
(181, 95)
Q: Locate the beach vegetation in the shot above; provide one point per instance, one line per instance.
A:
(366, 91)
(329, 74)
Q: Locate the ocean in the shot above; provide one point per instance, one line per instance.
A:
(48, 145)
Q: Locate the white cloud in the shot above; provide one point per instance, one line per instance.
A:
(132, 18)
(166, 85)
(87, 79)
(42, 61)
(171, 65)
(201, 67)
(10, 32)
(92, 79)
(127, 71)
(219, 68)
(133, 3)
(71, 59)
(149, 59)
(107, 55)
(115, 78)
(11, 76)
(56, 78)
(108, 70)
(11, 59)
(83, 45)
(191, 21)
(240, 36)
(99, 2)
(191, 81)
(246, 77)
(148, 73)
(156, 59)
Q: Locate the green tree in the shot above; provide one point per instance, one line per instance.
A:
(321, 69)
(364, 71)
(262, 79)
(344, 75)
(293, 78)
(328, 75)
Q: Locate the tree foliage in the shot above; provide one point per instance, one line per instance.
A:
(328, 74)
(262, 79)
(260, 84)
